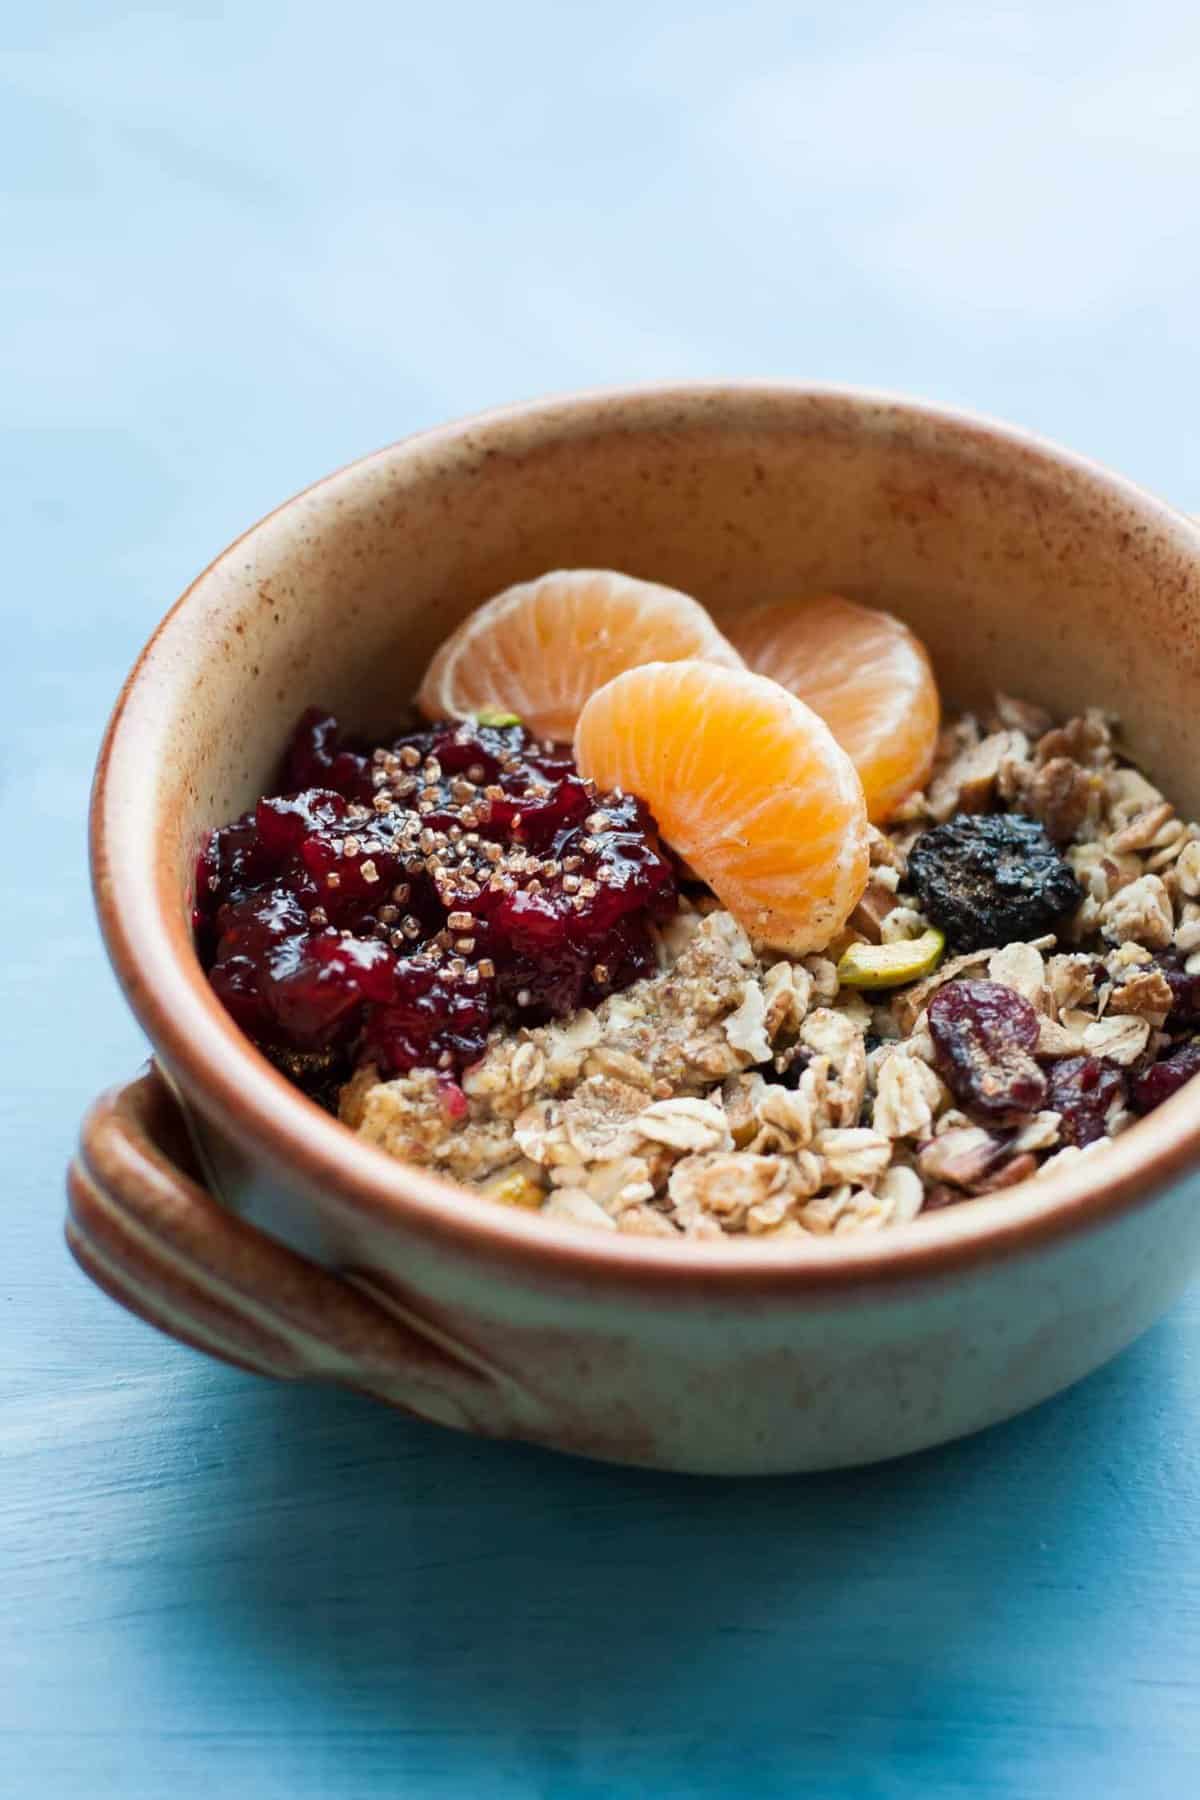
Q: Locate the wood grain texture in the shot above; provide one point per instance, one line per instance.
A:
(212, 1586)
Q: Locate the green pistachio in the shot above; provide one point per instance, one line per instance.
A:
(891, 965)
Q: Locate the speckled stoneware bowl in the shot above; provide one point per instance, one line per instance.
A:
(1019, 565)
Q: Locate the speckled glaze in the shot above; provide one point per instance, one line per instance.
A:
(1019, 565)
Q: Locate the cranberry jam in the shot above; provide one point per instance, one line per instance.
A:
(391, 905)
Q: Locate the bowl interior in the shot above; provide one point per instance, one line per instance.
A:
(1020, 566)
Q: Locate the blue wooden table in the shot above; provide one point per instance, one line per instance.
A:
(250, 243)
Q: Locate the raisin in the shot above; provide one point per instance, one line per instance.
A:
(1164, 1078)
(1081, 1090)
(984, 1034)
(798, 1060)
(991, 878)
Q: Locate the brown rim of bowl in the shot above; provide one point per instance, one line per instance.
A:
(216, 1064)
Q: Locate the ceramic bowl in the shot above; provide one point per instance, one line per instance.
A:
(1021, 566)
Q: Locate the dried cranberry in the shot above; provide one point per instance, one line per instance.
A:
(455, 1104)
(939, 1194)
(1082, 1090)
(984, 1034)
(1185, 989)
(1166, 1077)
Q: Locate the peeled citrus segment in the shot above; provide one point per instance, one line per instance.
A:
(539, 650)
(867, 676)
(746, 783)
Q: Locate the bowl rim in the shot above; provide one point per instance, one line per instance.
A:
(232, 1084)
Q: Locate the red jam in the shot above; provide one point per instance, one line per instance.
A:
(392, 905)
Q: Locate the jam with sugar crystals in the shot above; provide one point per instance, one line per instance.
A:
(391, 905)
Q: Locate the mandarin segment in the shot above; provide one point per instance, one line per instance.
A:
(865, 673)
(541, 648)
(746, 783)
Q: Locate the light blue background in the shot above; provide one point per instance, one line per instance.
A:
(242, 244)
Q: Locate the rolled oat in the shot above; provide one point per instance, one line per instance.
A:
(737, 1094)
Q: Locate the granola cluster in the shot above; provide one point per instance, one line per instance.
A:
(737, 1092)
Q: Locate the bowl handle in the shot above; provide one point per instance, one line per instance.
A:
(148, 1232)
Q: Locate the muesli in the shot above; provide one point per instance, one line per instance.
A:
(929, 964)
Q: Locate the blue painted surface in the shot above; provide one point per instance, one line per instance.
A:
(247, 244)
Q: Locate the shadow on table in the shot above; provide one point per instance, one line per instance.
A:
(404, 1578)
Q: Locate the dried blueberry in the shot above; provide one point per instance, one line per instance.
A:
(1162, 1079)
(991, 878)
(984, 1034)
(1081, 1090)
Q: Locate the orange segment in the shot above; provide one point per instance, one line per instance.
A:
(538, 650)
(746, 783)
(867, 676)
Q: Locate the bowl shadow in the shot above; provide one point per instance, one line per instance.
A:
(572, 1615)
